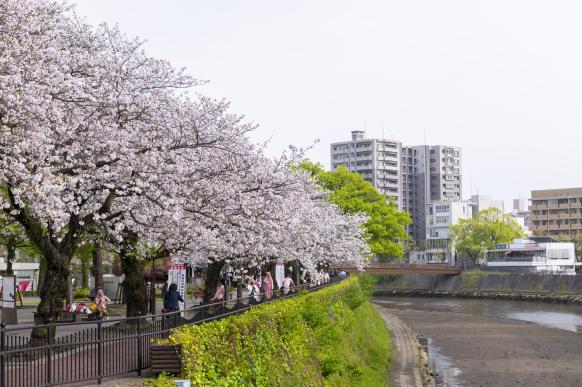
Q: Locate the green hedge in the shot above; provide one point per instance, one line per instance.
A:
(329, 337)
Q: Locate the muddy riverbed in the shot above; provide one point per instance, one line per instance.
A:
(496, 343)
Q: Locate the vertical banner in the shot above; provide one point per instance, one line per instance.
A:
(8, 291)
(177, 275)
(279, 273)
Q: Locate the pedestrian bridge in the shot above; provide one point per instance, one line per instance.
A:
(405, 269)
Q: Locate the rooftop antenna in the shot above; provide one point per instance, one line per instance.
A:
(425, 134)
(365, 128)
(383, 137)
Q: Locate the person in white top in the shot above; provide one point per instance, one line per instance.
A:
(287, 283)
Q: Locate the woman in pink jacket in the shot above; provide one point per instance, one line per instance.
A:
(268, 286)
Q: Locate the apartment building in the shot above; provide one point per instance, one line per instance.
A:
(412, 175)
(556, 213)
(378, 161)
(439, 217)
(435, 174)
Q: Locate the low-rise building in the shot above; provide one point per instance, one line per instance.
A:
(440, 216)
(541, 255)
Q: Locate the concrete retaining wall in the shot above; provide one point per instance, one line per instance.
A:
(524, 283)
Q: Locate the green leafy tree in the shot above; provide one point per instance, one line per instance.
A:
(471, 237)
(385, 228)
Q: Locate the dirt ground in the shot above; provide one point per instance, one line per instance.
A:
(492, 351)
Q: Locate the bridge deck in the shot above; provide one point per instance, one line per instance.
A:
(406, 269)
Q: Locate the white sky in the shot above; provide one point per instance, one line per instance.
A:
(500, 78)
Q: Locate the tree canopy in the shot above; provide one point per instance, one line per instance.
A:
(471, 237)
(385, 227)
(99, 141)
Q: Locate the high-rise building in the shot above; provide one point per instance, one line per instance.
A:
(377, 160)
(556, 213)
(431, 173)
(413, 176)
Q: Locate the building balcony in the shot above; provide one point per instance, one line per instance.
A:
(538, 207)
(553, 206)
(564, 205)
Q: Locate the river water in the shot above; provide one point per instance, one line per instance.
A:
(566, 317)
(558, 316)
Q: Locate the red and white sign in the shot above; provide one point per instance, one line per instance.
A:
(177, 275)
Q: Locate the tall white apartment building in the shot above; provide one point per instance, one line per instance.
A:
(412, 175)
(377, 160)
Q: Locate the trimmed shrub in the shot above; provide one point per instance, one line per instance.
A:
(329, 337)
(81, 294)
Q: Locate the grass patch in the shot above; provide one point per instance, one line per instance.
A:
(485, 272)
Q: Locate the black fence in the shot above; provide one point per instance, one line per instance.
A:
(105, 348)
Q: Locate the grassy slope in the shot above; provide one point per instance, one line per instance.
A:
(368, 344)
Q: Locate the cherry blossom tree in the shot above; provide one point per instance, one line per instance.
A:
(96, 138)
(78, 108)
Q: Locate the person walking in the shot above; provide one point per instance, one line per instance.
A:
(172, 298)
(101, 302)
(268, 286)
(287, 283)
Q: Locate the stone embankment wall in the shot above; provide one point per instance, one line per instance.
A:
(530, 287)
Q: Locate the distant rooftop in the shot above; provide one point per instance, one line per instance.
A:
(556, 193)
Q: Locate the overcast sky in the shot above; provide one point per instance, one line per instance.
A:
(501, 79)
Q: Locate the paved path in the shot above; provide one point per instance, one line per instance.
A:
(405, 362)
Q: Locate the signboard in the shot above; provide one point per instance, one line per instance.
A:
(8, 291)
(279, 274)
(177, 275)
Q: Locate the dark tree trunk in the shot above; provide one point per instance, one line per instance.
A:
(134, 286)
(212, 279)
(10, 254)
(52, 294)
(296, 273)
(85, 273)
(97, 269)
(70, 288)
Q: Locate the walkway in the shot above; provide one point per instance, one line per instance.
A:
(405, 370)
(405, 269)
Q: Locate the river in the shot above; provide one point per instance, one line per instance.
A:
(496, 343)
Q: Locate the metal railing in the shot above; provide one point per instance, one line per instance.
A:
(75, 352)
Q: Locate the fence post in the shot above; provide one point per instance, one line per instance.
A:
(49, 360)
(99, 350)
(2, 348)
(139, 346)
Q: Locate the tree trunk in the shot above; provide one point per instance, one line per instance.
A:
(70, 288)
(10, 254)
(52, 294)
(84, 273)
(212, 279)
(296, 273)
(97, 269)
(134, 286)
